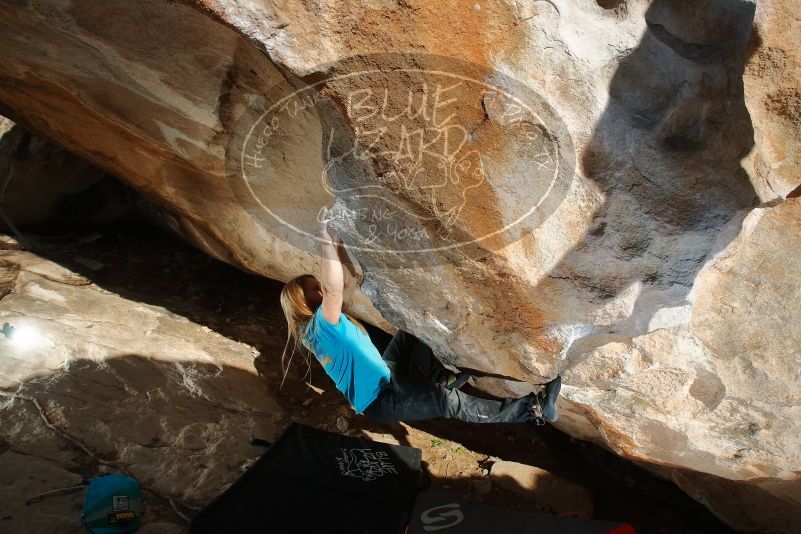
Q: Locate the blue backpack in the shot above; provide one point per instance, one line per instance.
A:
(112, 505)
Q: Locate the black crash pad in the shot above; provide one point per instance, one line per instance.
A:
(311, 480)
(439, 512)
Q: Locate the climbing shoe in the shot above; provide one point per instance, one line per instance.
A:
(454, 380)
(544, 406)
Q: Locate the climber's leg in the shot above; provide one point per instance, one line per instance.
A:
(406, 350)
(472, 409)
(404, 400)
(546, 400)
(398, 354)
(425, 360)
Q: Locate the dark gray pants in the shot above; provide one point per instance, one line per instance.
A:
(405, 400)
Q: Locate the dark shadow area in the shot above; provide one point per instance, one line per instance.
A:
(142, 263)
(141, 417)
(41, 182)
(142, 405)
(666, 153)
(737, 501)
(621, 490)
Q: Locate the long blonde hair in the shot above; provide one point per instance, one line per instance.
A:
(298, 313)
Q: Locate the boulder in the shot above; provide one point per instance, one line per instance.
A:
(93, 382)
(598, 189)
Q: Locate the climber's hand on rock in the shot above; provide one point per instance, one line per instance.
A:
(325, 233)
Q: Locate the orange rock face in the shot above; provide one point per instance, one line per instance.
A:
(773, 96)
(531, 187)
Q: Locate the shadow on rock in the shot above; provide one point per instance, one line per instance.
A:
(180, 427)
(666, 155)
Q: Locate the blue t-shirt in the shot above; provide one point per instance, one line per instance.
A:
(349, 357)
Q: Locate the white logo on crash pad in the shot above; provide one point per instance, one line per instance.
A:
(366, 464)
(449, 513)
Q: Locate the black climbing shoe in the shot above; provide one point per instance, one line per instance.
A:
(544, 407)
(455, 380)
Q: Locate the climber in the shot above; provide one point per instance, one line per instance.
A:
(375, 384)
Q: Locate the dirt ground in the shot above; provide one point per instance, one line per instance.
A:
(145, 264)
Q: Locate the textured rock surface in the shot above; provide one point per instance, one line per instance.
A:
(136, 385)
(665, 299)
(773, 95)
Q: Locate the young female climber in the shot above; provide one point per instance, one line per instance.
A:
(378, 385)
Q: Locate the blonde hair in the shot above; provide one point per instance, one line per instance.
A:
(298, 313)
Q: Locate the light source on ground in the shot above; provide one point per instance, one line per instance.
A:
(22, 336)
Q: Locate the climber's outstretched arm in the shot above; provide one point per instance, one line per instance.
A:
(349, 270)
(332, 279)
